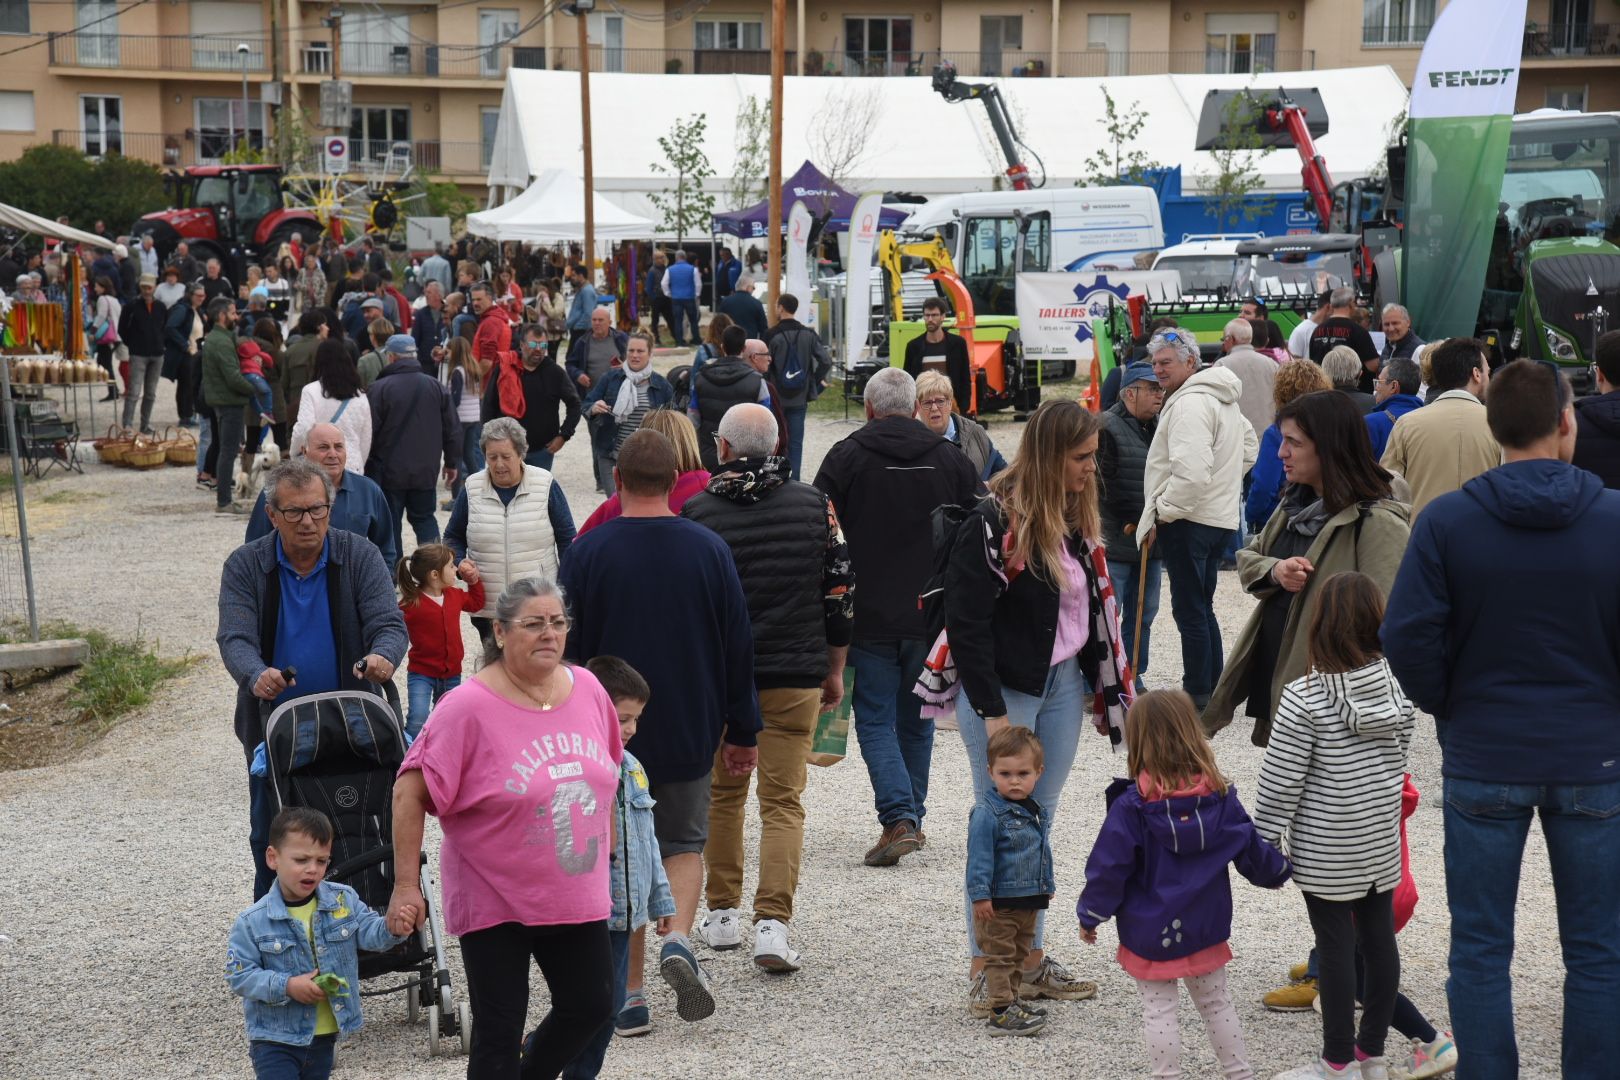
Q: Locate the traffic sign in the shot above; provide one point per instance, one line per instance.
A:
(337, 153)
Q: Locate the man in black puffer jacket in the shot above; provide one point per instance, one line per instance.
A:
(1122, 448)
(720, 384)
(885, 481)
(1597, 419)
(794, 565)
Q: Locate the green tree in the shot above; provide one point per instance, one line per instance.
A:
(753, 145)
(1119, 160)
(1236, 177)
(685, 207)
(444, 199)
(52, 181)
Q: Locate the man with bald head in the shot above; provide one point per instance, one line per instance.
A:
(794, 565)
(358, 504)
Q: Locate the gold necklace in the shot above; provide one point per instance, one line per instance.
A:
(544, 703)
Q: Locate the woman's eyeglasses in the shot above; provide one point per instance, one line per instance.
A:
(559, 623)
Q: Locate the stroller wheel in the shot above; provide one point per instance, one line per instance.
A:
(464, 1022)
(413, 1004)
(433, 1032)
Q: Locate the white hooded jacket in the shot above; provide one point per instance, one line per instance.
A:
(1201, 450)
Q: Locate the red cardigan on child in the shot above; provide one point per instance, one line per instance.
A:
(435, 631)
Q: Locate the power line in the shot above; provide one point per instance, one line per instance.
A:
(77, 29)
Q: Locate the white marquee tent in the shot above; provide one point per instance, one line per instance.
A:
(920, 142)
(552, 209)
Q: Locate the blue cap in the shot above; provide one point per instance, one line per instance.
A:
(401, 345)
(1137, 372)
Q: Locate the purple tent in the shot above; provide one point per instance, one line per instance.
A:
(820, 196)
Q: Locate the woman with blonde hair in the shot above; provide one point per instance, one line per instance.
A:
(691, 477)
(936, 408)
(1032, 623)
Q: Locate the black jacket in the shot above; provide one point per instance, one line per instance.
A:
(745, 311)
(797, 348)
(885, 480)
(141, 328)
(216, 287)
(1122, 449)
(1003, 637)
(413, 429)
(957, 367)
(544, 388)
(1597, 437)
(792, 561)
(718, 385)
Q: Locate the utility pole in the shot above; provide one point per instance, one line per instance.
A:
(581, 9)
(778, 62)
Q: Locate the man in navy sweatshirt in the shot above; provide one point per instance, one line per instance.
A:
(662, 593)
(1504, 623)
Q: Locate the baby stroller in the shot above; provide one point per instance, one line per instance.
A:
(338, 753)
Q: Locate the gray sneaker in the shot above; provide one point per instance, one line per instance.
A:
(1052, 980)
(979, 1000)
(1015, 1020)
(231, 508)
(694, 1000)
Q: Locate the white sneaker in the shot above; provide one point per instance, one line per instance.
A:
(1321, 1070)
(1374, 1068)
(771, 949)
(721, 930)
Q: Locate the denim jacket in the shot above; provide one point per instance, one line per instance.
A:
(269, 946)
(1009, 850)
(639, 881)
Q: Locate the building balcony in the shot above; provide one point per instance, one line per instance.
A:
(1571, 41)
(375, 158)
(1395, 35)
(361, 60)
(164, 53)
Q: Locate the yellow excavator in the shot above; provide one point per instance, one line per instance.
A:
(994, 359)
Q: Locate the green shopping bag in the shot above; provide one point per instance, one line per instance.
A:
(832, 727)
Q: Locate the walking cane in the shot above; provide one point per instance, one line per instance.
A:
(1141, 600)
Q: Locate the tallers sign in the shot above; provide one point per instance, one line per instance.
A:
(1055, 310)
(1462, 114)
(863, 229)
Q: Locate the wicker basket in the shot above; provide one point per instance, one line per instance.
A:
(145, 454)
(115, 445)
(181, 448)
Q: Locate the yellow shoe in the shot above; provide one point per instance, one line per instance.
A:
(1297, 997)
(1298, 972)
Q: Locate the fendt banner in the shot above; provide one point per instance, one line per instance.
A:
(1461, 115)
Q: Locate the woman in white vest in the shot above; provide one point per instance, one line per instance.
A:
(512, 520)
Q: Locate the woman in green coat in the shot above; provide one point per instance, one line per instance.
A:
(1339, 511)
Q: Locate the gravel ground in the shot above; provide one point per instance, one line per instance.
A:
(124, 870)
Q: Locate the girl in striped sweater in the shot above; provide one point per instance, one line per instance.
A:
(1332, 781)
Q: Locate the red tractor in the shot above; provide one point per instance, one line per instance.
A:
(227, 211)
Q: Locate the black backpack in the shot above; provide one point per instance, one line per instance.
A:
(948, 520)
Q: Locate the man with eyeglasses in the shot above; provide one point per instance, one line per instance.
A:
(1122, 452)
(1395, 393)
(937, 350)
(1192, 494)
(358, 504)
(305, 610)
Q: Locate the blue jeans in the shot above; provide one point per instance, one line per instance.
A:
(1124, 573)
(472, 456)
(1057, 717)
(261, 810)
(278, 1061)
(795, 431)
(684, 321)
(417, 505)
(589, 1061)
(897, 743)
(423, 692)
(1486, 824)
(1192, 559)
(263, 401)
(540, 459)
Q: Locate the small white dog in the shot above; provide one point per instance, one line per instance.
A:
(254, 465)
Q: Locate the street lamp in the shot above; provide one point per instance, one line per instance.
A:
(243, 51)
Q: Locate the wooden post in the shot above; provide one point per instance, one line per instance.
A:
(774, 224)
(585, 131)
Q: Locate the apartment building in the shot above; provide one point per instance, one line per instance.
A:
(180, 83)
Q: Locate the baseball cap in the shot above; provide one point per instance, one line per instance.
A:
(372, 302)
(148, 279)
(1137, 372)
(401, 345)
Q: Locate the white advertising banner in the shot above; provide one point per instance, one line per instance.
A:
(799, 223)
(863, 230)
(1055, 310)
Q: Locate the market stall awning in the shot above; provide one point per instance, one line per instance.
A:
(552, 210)
(820, 196)
(22, 220)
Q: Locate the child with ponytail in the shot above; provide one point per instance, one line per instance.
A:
(432, 605)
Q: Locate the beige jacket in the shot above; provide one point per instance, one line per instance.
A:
(1200, 451)
(1441, 447)
(1258, 375)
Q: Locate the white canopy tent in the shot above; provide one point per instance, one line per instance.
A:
(552, 209)
(23, 221)
(918, 141)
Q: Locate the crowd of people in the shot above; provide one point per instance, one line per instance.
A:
(1368, 510)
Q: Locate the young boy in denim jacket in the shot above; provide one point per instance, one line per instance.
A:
(640, 887)
(1009, 874)
(294, 956)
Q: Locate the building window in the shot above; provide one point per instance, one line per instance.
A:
(1396, 22)
(220, 126)
(16, 110)
(1567, 97)
(217, 28)
(103, 127)
(496, 29)
(373, 131)
(607, 35)
(729, 34)
(999, 34)
(377, 44)
(1240, 43)
(489, 119)
(13, 16)
(1110, 34)
(96, 42)
(877, 46)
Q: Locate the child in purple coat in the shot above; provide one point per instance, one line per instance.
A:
(1159, 868)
